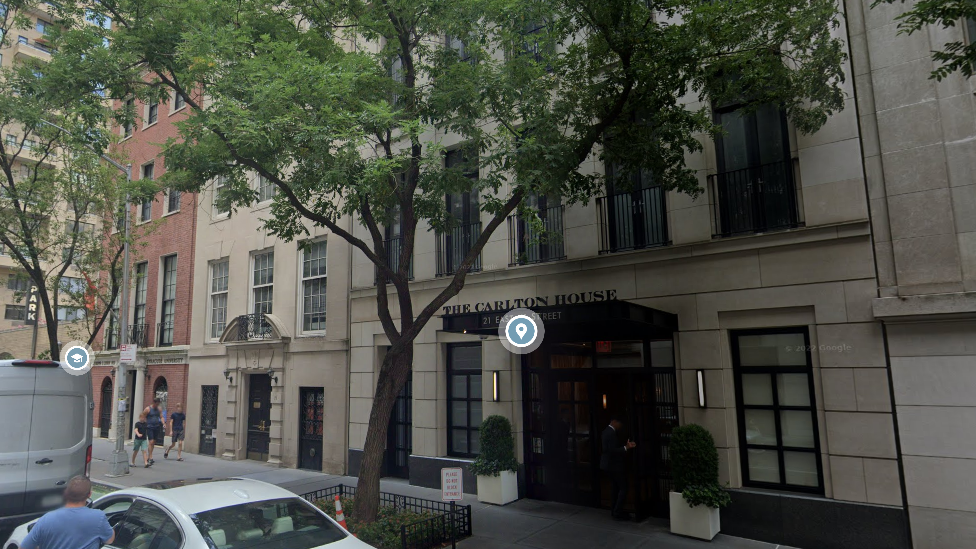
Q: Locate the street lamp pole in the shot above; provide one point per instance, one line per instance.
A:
(120, 461)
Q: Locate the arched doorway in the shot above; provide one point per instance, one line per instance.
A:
(105, 413)
(161, 391)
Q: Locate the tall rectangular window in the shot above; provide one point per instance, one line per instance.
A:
(313, 287)
(153, 113)
(754, 188)
(263, 282)
(42, 26)
(778, 437)
(173, 200)
(219, 206)
(139, 310)
(219, 276)
(179, 102)
(266, 189)
(18, 282)
(127, 128)
(145, 210)
(168, 314)
(464, 410)
(112, 332)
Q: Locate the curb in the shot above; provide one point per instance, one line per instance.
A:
(105, 484)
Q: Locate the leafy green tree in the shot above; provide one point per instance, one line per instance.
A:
(54, 191)
(958, 55)
(348, 107)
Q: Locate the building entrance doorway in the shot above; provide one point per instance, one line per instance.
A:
(572, 391)
(399, 438)
(310, 428)
(259, 417)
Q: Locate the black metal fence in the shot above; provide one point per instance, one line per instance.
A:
(755, 199)
(452, 246)
(528, 244)
(393, 247)
(450, 522)
(253, 326)
(633, 220)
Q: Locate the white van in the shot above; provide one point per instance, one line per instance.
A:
(45, 436)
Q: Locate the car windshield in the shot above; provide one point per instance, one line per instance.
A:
(289, 523)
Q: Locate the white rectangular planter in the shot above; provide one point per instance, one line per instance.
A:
(700, 522)
(498, 490)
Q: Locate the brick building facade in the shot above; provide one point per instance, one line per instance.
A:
(161, 286)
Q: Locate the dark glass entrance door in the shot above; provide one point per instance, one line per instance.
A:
(105, 413)
(259, 417)
(399, 438)
(571, 392)
(310, 429)
(208, 419)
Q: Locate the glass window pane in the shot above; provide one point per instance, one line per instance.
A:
(564, 390)
(763, 465)
(476, 416)
(757, 389)
(772, 350)
(459, 441)
(793, 389)
(581, 391)
(475, 386)
(466, 358)
(662, 354)
(459, 387)
(622, 354)
(475, 442)
(797, 428)
(801, 468)
(459, 414)
(582, 419)
(760, 427)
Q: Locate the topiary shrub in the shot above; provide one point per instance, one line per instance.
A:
(497, 448)
(694, 466)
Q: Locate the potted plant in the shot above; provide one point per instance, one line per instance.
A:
(496, 465)
(694, 465)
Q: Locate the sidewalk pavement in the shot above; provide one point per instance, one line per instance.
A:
(524, 524)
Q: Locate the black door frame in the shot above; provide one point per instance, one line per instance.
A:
(108, 397)
(649, 471)
(209, 398)
(312, 401)
(399, 444)
(258, 418)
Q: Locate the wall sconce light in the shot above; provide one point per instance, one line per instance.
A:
(701, 388)
(604, 402)
(495, 389)
(273, 377)
(228, 377)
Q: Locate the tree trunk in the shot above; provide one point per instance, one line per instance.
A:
(390, 381)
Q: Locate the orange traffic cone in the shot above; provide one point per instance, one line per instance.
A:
(340, 518)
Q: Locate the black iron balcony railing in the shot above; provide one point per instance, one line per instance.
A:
(393, 247)
(253, 326)
(164, 333)
(755, 200)
(452, 247)
(528, 243)
(633, 220)
(139, 334)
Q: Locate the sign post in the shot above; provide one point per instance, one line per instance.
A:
(452, 489)
(31, 320)
(127, 353)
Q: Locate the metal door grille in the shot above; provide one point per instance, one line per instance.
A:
(208, 420)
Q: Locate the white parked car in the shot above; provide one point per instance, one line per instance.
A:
(214, 514)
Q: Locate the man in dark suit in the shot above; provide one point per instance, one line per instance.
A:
(612, 461)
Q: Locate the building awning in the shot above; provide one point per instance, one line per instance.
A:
(584, 321)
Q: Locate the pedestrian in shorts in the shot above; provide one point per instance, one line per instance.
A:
(154, 424)
(177, 422)
(139, 440)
